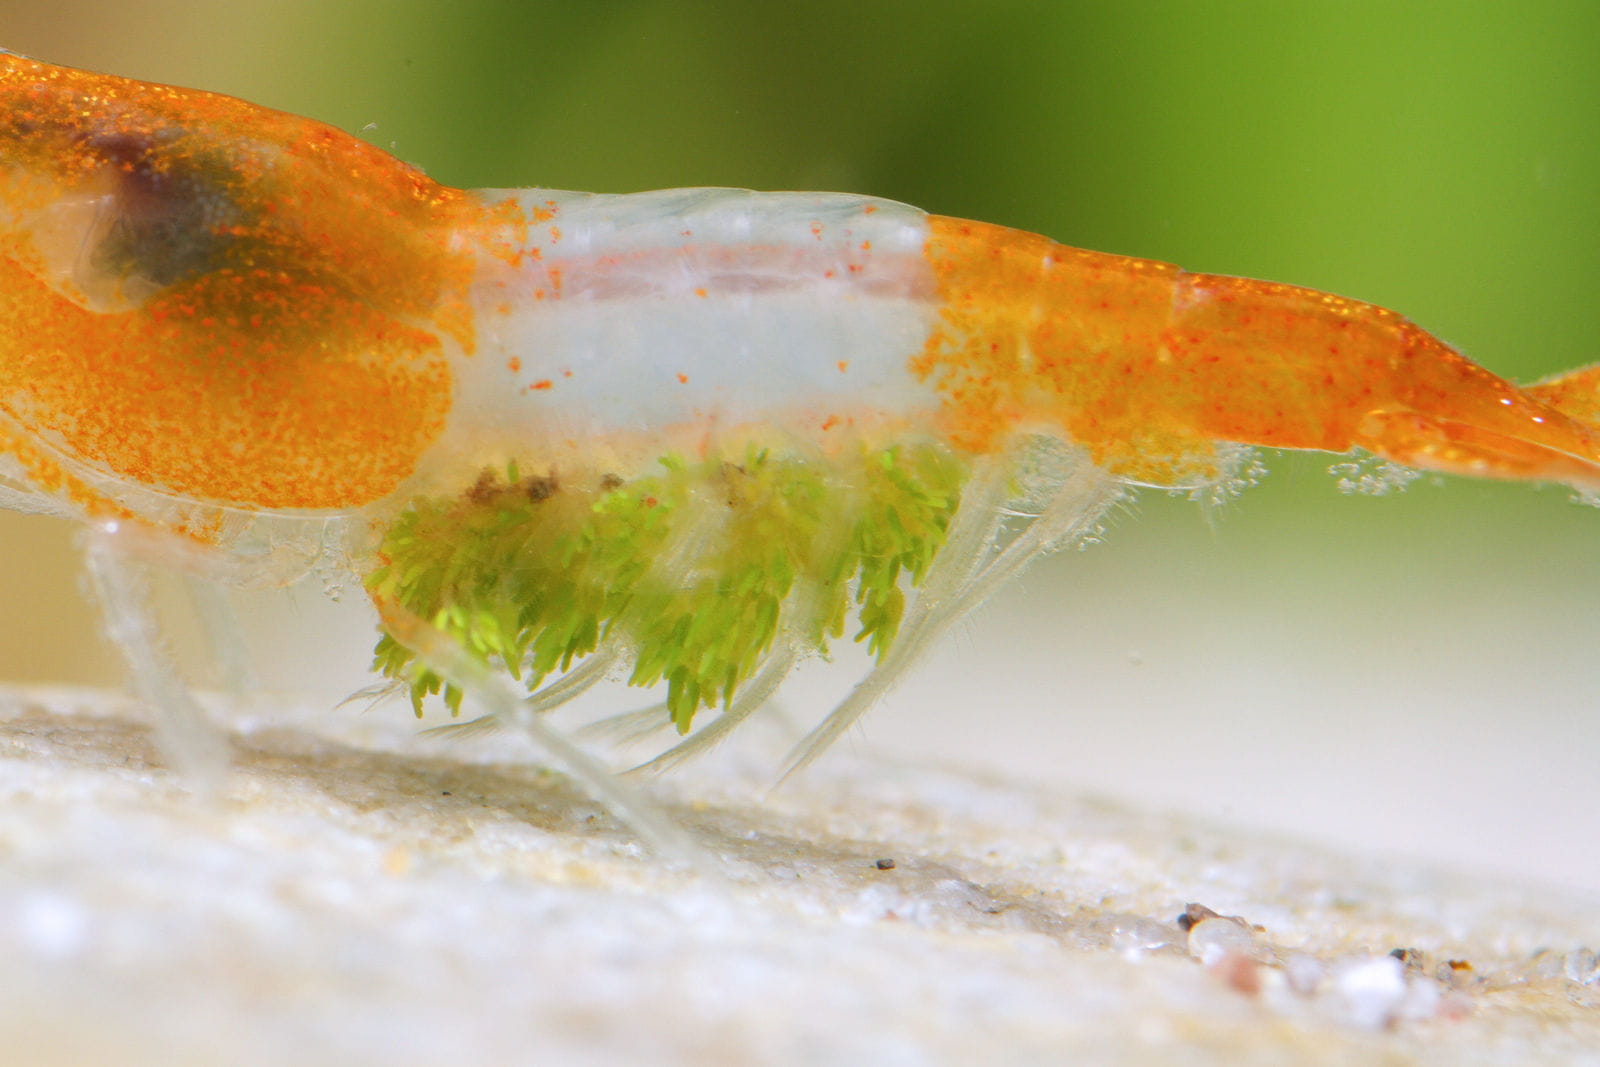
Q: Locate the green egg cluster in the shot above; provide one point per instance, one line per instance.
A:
(696, 569)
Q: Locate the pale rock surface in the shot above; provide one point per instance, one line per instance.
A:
(369, 897)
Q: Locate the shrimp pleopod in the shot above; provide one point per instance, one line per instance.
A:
(684, 438)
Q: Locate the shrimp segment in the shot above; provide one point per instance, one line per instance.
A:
(1150, 367)
(693, 436)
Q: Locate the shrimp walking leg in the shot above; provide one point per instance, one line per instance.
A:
(1072, 512)
(120, 556)
(751, 700)
(1073, 508)
(186, 737)
(976, 525)
(511, 708)
(582, 678)
(224, 641)
(626, 727)
(962, 576)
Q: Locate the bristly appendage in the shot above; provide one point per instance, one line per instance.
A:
(700, 572)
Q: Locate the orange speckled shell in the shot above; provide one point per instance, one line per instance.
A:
(1150, 367)
(305, 371)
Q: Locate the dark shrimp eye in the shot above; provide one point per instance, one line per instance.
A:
(171, 220)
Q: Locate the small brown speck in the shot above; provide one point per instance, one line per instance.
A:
(1410, 957)
(483, 490)
(609, 482)
(885, 864)
(1456, 974)
(538, 489)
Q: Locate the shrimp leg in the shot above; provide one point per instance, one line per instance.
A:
(445, 657)
(569, 686)
(751, 699)
(193, 744)
(118, 555)
(961, 576)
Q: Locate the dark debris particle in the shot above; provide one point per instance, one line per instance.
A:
(1410, 957)
(1194, 914)
(485, 488)
(538, 489)
(885, 864)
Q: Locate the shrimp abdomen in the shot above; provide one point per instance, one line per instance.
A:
(1152, 368)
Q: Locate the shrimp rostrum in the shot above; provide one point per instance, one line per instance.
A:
(682, 438)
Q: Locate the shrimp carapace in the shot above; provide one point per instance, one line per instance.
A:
(684, 436)
(221, 301)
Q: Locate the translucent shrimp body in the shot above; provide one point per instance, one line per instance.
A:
(723, 307)
(729, 308)
(683, 437)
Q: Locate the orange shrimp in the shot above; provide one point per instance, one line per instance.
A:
(686, 436)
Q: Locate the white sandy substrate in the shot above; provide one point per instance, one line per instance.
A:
(369, 897)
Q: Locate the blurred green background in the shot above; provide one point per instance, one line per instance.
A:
(1413, 672)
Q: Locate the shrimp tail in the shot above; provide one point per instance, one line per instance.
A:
(1575, 393)
(1458, 418)
(1456, 447)
(1149, 367)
